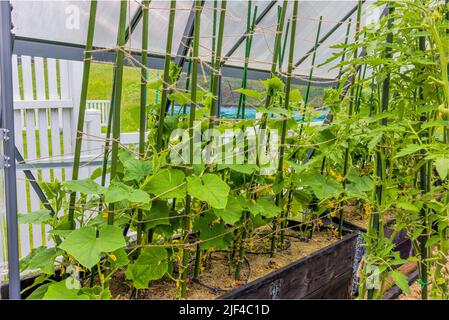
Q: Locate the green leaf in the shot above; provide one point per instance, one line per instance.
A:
(295, 96)
(41, 258)
(84, 246)
(233, 211)
(167, 183)
(136, 169)
(442, 166)
(139, 196)
(241, 168)
(86, 186)
(213, 233)
(117, 191)
(264, 207)
(273, 85)
(154, 85)
(407, 206)
(39, 293)
(209, 188)
(250, 93)
(158, 215)
(150, 265)
(411, 148)
(118, 258)
(400, 280)
(35, 217)
(60, 291)
(180, 97)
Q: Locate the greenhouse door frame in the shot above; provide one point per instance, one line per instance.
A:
(7, 160)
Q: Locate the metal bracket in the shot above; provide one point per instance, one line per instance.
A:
(4, 160)
(4, 134)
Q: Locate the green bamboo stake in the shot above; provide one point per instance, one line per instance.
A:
(284, 122)
(424, 179)
(143, 102)
(189, 72)
(166, 78)
(214, 36)
(82, 106)
(193, 99)
(309, 82)
(217, 64)
(340, 72)
(117, 99)
(215, 81)
(277, 47)
(284, 45)
(350, 112)
(248, 43)
(377, 223)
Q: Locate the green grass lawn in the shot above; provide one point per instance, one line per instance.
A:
(100, 88)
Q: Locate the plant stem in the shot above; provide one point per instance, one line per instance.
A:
(82, 106)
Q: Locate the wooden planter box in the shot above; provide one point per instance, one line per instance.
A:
(325, 274)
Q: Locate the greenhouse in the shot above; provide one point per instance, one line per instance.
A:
(222, 150)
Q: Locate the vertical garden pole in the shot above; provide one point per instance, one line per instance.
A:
(143, 101)
(117, 99)
(214, 37)
(377, 226)
(217, 65)
(166, 78)
(193, 102)
(249, 37)
(277, 47)
(350, 112)
(82, 106)
(309, 82)
(340, 72)
(284, 122)
(424, 183)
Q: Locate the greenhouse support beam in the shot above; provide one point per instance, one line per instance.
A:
(34, 184)
(7, 112)
(328, 34)
(186, 40)
(66, 51)
(243, 37)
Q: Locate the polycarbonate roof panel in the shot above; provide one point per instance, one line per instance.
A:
(370, 14)
(158, 17)
(67, 22)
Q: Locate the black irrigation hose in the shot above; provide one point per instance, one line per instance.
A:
(217, 289)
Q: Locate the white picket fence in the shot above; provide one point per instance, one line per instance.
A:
(103, 106)
(46, 104)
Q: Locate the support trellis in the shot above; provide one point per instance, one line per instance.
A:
(52, 49)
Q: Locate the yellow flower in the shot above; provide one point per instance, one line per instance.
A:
(436, 15)
(367, 209)
(330, 204)
(113, 257)
(339, 178)
(332, 172)
(105, 214)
